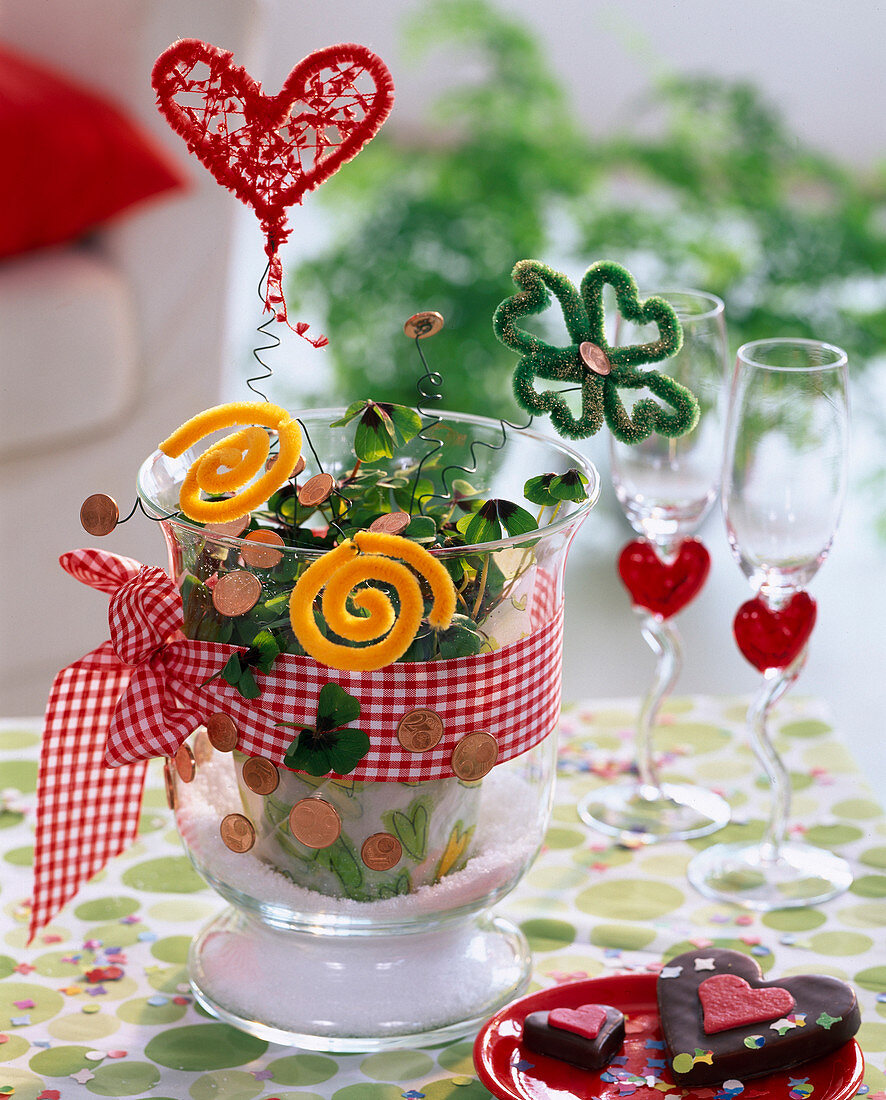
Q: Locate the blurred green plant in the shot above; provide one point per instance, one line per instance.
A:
(440, 225)
(722, 196)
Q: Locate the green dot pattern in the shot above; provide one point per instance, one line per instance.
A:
(589, 907)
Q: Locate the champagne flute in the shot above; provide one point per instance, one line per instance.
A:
(666, 487)
(784, 480)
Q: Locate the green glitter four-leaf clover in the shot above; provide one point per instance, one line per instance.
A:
(583, 314)
(328, 747)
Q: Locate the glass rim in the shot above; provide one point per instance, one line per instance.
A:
(747, 354)
(716, 305)
(585, 464)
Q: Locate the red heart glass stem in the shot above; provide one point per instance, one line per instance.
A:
(663, 587)
(774, 637)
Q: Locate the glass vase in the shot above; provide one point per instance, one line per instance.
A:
(371, 943)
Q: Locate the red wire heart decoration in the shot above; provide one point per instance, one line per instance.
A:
(270, 150)
(664, 588)
(773, 639)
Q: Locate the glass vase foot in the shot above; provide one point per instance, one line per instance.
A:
(673, 811)
(752, 876)
(358, 993)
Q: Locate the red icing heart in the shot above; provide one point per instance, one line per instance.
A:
(270, 150)
(664, 588)
(585, 1020)
(729, 1001)
(773, 639)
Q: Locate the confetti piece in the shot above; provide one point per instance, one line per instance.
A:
(701, 942)
(750, 940)
(117, 1053)
(759, 949)
(94, 1055)
(4, 1039)
(744, 919)
(89, 1009)
(20, 1021)
(131, 919)
(673, 971)
(157, 1001)
(71, 990)
(25, 1004)
(147, 937)
(92, 945)
(704, 964)
(82, 1076)
(52, 937)
(24, 968)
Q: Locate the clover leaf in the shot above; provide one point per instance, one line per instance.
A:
(486, 524)
(594, 368)
(381, 428)
(328, 747)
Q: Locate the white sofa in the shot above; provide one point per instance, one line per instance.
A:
(105, 346)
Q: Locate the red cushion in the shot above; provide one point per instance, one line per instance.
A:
(70, 160)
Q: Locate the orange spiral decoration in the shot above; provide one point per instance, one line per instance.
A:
(369, 556)
(232, 462)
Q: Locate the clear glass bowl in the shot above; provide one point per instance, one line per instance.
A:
(318, 949)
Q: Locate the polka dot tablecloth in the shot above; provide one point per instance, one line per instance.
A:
(100, 1004)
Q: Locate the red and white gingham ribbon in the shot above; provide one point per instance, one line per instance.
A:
(143, 692)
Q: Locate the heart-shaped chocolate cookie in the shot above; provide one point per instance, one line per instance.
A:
(588, 1036)
(722, 1021)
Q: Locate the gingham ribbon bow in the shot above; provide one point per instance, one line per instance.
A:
(144, 691)
(87, 812)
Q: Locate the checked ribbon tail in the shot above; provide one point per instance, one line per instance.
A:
(87, 813)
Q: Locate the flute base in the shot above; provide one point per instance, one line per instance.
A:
(754, 877)
(648, 815)
(351, 993)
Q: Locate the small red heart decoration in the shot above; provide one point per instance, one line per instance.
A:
(270, 150)
(664, 588)
(773, 639)
(585, 1020)
(728, 1001)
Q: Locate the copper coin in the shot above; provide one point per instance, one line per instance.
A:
(393, 523)
(424, 324)
(381, 851)
(474, 756)
(420, 730)
(315, 823)
(222, 732)
(299, 466)
(232, 528)
(202, 748)
(237, 832)
(99, 514)
(169, 783)
(264, 549)
(236, 593)
(594, 357)
(184, 763)
(260, 775)
(316, 489)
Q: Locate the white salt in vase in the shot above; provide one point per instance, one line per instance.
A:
(384, 937)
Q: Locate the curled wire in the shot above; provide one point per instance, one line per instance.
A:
(275, 342)
(435, 379)
(139, 507)
(430, 378)
(336, 492)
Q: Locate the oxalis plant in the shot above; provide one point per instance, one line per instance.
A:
(379, 479)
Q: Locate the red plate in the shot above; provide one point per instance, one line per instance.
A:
(513, 1072)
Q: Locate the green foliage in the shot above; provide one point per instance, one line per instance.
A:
(710, 190)
(440, 224)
